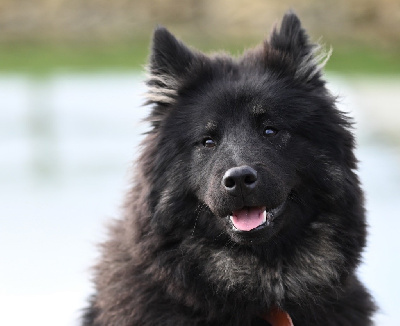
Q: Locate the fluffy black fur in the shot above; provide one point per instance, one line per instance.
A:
(174, 259)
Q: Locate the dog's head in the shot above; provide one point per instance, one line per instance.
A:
(244, 146)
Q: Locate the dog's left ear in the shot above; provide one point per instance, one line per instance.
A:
(292, 42)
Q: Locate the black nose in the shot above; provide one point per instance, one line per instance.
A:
(239, 180)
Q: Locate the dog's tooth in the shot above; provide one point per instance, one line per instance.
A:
(233, 226)
(264, 217)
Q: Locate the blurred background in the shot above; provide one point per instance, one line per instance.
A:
(71, 79)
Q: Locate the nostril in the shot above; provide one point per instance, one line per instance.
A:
(229, 182)
(250, 179)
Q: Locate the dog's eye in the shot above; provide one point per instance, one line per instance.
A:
(209, 142)
(269, 132)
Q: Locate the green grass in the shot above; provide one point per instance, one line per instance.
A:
(364, 60)
(47, 58)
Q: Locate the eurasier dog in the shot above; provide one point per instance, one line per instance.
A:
(245, 207)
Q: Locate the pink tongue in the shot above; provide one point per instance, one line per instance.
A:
(248, 218)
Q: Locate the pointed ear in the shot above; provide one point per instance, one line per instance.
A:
(170, 61)
(292, 42)
(291, 38)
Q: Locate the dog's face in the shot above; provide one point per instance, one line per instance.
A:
(254, 140)
(244, 160)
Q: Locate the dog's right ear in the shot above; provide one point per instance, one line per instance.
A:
(170, 61)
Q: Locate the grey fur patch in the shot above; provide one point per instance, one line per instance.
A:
(233, 272)
(162, 89)
(317, 262)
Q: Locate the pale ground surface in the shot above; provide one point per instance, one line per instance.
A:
(70, 169)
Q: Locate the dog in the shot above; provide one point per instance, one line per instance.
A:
(245, 207)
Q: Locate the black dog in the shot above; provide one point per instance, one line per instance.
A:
(245, 208)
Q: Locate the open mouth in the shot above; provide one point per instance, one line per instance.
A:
(253, 218)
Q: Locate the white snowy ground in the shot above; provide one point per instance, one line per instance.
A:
(66, 144)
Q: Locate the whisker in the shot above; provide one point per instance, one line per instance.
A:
(198, 211)
(218, 236)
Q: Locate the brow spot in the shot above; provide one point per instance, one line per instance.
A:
(211, 126)
(257, 109)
